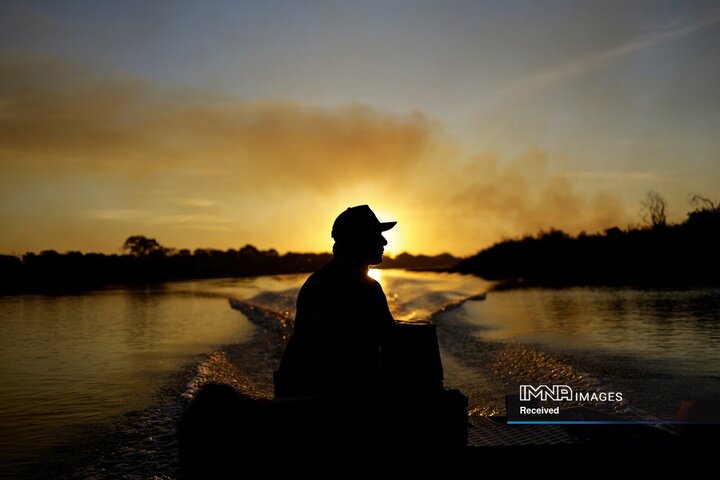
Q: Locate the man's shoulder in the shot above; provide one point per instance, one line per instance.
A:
(319, 278)
(334, 275)
(372, 283)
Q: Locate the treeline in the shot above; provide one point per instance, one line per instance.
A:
(420, 262)
(657, 253)
(146, 261)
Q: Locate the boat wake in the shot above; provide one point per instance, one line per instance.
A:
(266, 313)
(485, 370)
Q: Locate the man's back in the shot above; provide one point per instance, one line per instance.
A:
(341, 324)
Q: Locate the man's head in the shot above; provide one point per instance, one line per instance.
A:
(358, 235)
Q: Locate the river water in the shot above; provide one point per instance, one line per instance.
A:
(73, 361)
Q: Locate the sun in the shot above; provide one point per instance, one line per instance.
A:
(375, 273)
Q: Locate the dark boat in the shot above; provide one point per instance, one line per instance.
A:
(417, 413)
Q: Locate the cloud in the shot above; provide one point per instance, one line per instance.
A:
(507, 198)
(678, 28)
(196, 170)
(195, 202)
(123, 125)
(618, 176)
(116, 214)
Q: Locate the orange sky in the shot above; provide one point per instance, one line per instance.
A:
(218, 136)
(119, 158)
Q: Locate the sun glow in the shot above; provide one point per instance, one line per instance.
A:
(375, 273)
(394, 235)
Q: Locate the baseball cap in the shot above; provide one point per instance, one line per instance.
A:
(358, 220)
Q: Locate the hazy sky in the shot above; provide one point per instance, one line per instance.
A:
(216, 124)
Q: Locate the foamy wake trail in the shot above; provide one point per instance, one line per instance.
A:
(246, 367)
(487, 370)
(281, 319)
(486, 366)
(218, 368)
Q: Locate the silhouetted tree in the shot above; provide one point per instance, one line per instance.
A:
(141, 246)
(654, 210)
(703, 204)
(553, 234)
(249, 251)
(666, 254)
(705, 219)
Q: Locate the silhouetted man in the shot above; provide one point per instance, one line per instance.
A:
(342, 319)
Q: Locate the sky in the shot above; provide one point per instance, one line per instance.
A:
(221, 123)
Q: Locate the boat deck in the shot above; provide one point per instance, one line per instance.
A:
(489, 432)
(495, 432)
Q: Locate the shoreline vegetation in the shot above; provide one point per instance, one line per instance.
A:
(147, 262)
(655, 254)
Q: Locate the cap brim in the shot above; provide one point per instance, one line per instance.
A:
(387, 225)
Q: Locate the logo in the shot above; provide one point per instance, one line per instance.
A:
(559, 393)
(555, 393)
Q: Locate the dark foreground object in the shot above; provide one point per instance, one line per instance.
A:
(622, 450)
(224, 433)
(222, 427)
(412, 412)
(415, 424)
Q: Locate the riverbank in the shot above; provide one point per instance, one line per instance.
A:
(536, 283)
(53, 273)
(663, 255)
